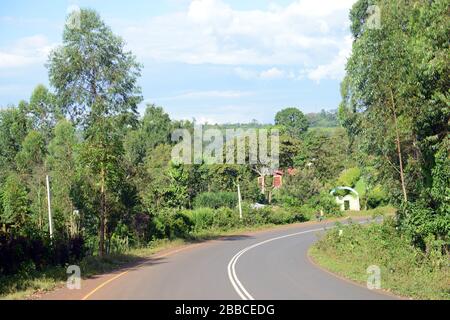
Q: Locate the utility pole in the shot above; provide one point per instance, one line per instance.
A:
(50, 222)
(239, 200)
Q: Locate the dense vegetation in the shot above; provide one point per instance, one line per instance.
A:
(396, 109)
(114, 185)
(404, 269)
(396, 112)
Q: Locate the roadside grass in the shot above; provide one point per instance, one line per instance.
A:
(405, 270)
(30, 282)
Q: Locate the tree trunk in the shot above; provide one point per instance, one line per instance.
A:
(263, 184)
(101, 243)
(399, 149)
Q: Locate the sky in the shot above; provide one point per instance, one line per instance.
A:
(218, 61)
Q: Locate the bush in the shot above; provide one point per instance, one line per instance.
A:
(404, 268)
(170, 224)
(37, 253)
(207, 218)
(216, 200)
(377, 197)
(349, 177)
(272, 215)
(326, 202)
(284, 216)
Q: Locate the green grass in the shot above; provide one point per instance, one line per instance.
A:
(29, 282)
(405, 270)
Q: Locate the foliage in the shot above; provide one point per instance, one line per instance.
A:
(349, 177)
(292, 122)
(323, 119)
(170, 224)
(377, 197)
(19, 253)
(395, 108)
(326, 153)
(14, 203)
(216, 200)
(101, 78)
(405, 269)
(298, 188)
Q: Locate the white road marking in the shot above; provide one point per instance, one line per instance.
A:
(237, 284)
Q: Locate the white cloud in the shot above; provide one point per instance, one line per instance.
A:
(272, 73)
(224, 94)
(305, 33)
(25, 52)
(336, 68)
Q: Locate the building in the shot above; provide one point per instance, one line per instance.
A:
(349, 201)
(277, 178)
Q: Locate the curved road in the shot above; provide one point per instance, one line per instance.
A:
(266, 265)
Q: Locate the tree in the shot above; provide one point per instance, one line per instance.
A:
(325, 153)
(92, 74)
(42, 111)
(292, 122)
(14, 203)
(154, 129)
(95, 81)
(31, 165)
(13, 129)
(62, 169)
(395, 105)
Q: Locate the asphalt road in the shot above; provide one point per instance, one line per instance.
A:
(268, 265)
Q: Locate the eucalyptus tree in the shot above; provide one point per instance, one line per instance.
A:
(42, 111)
(95, 80)
(395, 102)
(61, 164)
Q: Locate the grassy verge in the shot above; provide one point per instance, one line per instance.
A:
(405, 270)
(30, 282)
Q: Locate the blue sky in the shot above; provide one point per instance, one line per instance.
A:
(212, 60)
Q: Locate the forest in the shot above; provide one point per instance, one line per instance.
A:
(114, 187)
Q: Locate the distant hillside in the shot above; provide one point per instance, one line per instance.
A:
(323, 119)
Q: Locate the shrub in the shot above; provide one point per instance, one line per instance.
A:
(349, 177)
(170, 224)
(216, 200)
(37, 253)
(252, 217)
(377, 197)
(207, 218)
(326, 202)
(226, 218)
(404, 268)
(202, 218)
(283, 216)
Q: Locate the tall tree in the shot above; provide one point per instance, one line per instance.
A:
(42, 111)
(95, 80)
(13, 129)
(31, 165)
(395, 101)
(292, 122)
(62, 168)
(14, 203)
